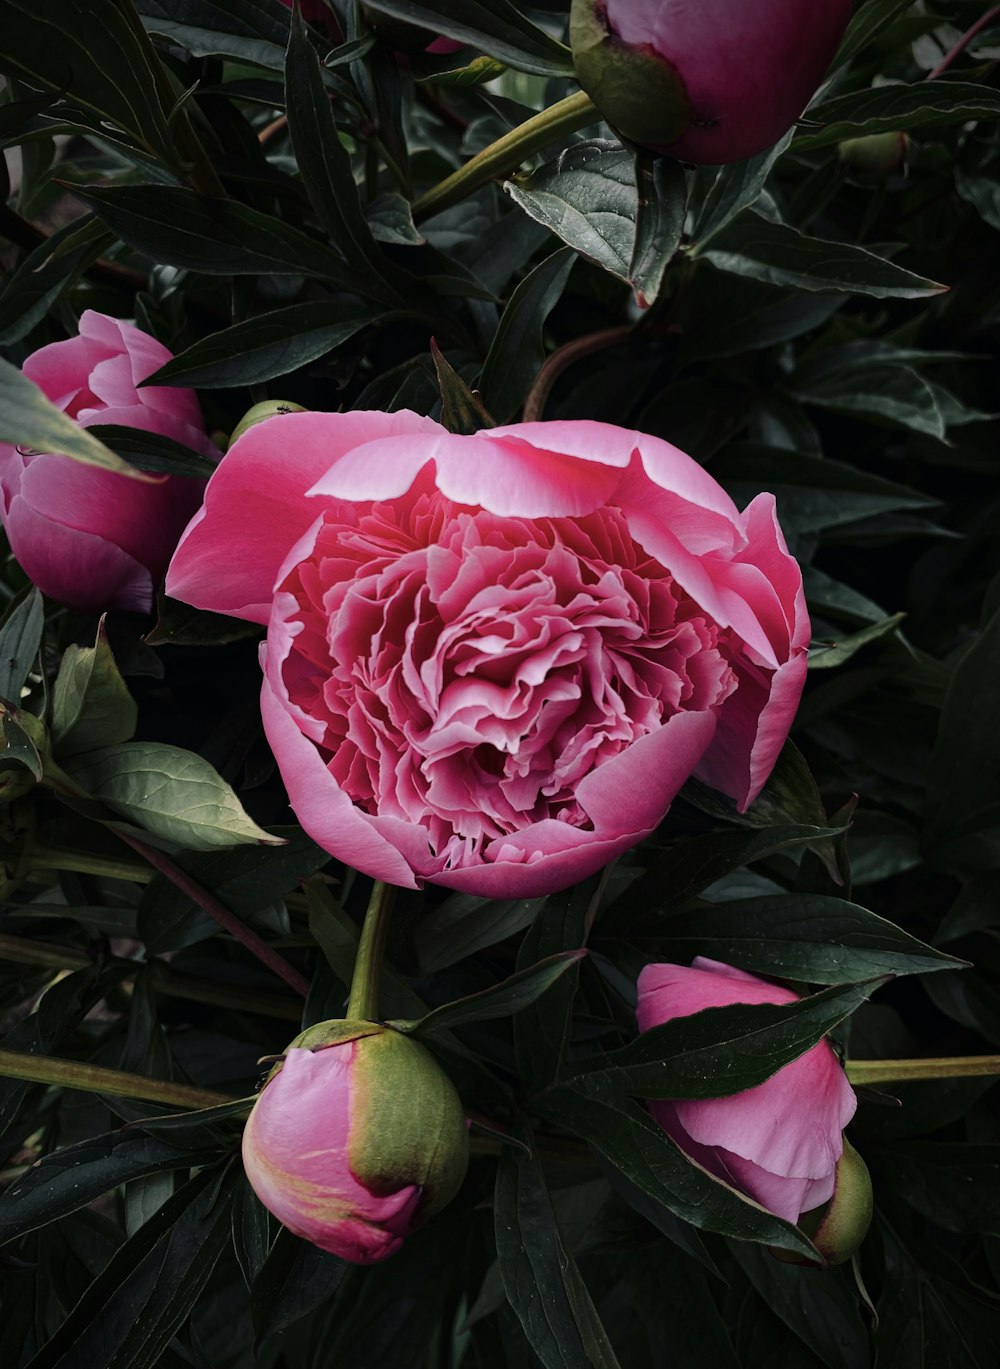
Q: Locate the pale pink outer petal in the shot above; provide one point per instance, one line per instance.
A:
(502, 474)
(141, 517)
(295, 1151)
(76, 568)
(256, 508)
(755, 720)
(789, 1127)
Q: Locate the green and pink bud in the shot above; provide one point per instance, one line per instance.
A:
(357, 1138)
(709, 81)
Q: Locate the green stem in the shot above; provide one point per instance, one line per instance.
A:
(73, 1074)
(362, 1006)
(501, 157)
(23, 951)
(900, 1071)
(42, 857)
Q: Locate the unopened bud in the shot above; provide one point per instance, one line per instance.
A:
(357, 1138)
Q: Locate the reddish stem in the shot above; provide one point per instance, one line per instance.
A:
(964, 41)
(219, 912)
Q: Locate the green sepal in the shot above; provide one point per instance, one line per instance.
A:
(639, 93)
(407, 1122)
(837, 1229)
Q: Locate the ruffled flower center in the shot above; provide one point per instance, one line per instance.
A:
(465, 671)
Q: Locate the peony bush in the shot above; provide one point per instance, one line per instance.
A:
(498, 640)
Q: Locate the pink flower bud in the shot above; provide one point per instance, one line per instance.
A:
(708, 81)
(357, 1138)
(91, 538)
(780, 1142)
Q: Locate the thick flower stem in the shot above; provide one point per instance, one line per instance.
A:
(501, 157)
(74, 1074)
(901, 1071)
(362, 1006)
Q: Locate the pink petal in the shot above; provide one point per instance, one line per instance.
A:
(791, 1125)
(256, 507)
(321, 806)
(76, 568)
(668, 991)
(503, 474)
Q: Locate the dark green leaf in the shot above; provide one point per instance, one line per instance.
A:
(491, 26)
(390, 219)
(152, 452)
(721, 1051)
(827, 654)
(71, 1178)
(178, 227)
(543, 1284)
(254, 31)
(774, 252)
(587, 197)
(885, 393)
(887, 108)
(697, 1331)
(465, 923)
(34, 289)
(91, 705)
(323, 161)
(954, 1185)
(133, 1308)
(661, 203)
(97, 54)
(966, 758)
(245, 878)
(510, 996)
(265, 347)
(20, 638)
(690, 866)
(171, 793)
(462, 411)
(518, 348)
(726, 315)
(810, 937)
(541, 1033)
(821, 1310)
(296, 1278)
(731, 189)
(28, 419)
(868, 23)
(252, 1232)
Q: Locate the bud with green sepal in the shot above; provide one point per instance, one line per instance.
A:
(711, 82)
(874, 158)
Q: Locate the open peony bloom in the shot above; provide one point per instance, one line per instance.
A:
(492, 661)
(779, 1142)
(90, 538)
(356, 1139)
(708, 81)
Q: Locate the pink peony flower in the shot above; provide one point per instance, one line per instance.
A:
(708, 81)
(779, 1142)
(492, 661)
(87, 537)
(354, 1144)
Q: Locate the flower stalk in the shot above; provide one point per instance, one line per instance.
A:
(75, 1074)
(902, 1071)
(500, 158)
(362, 1005)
